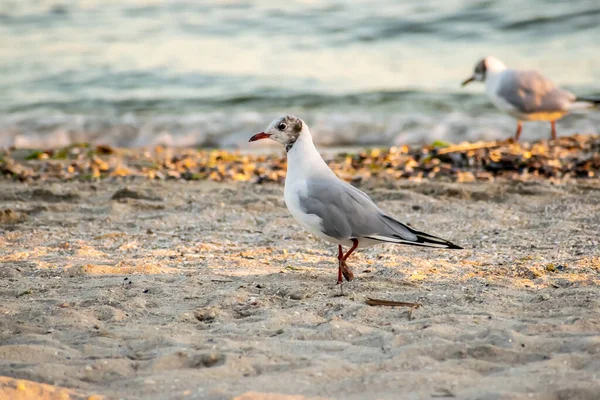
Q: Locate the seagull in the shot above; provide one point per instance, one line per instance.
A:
(330, 208)
(526, 95)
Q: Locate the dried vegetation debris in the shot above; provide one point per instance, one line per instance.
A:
(570, 157)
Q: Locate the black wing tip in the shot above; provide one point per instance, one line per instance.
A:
(426, 238)
(441, 243)
(423, 239)
(594, 100)
(421, 243)
(444, 245)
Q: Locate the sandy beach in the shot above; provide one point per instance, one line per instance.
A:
(140, 289)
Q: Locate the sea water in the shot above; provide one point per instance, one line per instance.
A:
(212, 73)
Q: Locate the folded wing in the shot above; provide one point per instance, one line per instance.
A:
(531, 92)
(349, 213)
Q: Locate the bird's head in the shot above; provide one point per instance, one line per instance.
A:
(485, 65)
(285, 130)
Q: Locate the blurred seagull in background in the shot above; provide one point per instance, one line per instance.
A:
(330, 208)
(526, 95)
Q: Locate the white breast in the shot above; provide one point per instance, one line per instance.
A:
(293, 191)
(304, 162)
(492, 83)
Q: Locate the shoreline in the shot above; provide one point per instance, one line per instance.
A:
(568, 158)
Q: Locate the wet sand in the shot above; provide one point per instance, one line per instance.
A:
(204, 290)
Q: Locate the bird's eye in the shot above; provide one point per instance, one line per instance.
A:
(282, 126)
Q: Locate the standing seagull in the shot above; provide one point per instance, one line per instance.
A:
(526, 95)
(329, 207)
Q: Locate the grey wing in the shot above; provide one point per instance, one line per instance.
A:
(531, 92)
(347, 212)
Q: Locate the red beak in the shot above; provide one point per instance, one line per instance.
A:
(259, 136)
(467, 81)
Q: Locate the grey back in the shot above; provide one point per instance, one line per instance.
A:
(348, 212)
(531, 92)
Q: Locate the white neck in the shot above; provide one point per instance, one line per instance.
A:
(494, 70)
(493, 65)
(304, 160)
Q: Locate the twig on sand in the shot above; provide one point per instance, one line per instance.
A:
(470, 146)
(443, 393)
(391, 303)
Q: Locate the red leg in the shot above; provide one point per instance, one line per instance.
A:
(354, 246)
(340, 259)
(553, 124)
(519, 128)
(345, 269)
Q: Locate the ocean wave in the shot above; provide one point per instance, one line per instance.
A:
(232, 130)
(368, 72)
(265, 98)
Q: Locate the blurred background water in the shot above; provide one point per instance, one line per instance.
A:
(214, 72)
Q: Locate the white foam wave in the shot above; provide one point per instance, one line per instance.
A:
(221, 129)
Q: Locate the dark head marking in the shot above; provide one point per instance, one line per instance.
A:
(289, 121)
(285, 130)
(480, 70)
(290, 128)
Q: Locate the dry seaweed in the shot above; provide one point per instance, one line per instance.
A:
(573, 157)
